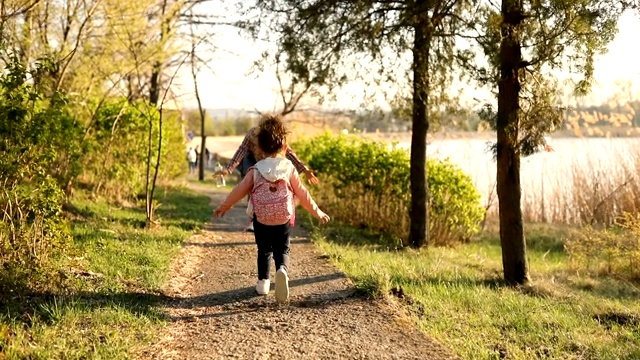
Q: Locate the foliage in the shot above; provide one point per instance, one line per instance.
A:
(118, 143)
(323, 42)
(613, 251)
(40, 146)
(217, 127)
(455, 209)
(555, 35)
(539, 116)
(366, 184)
(173, 149)
(100, 47)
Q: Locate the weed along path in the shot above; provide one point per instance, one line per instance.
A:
(216, 314)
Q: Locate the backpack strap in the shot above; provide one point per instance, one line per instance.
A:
(255, 177)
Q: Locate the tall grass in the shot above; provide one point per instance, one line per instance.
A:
(355, 206)
(585, 191)
(614, 251)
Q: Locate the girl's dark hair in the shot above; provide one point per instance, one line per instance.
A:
(272, 134)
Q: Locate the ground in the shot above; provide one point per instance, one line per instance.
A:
(216, 313)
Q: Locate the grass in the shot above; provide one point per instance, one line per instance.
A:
(456, 296)
(114, 271)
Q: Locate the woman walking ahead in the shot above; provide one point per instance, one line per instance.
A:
(272, 182)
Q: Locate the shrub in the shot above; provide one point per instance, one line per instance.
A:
(41, 148)
(117, 161)
(454, 203)
(366, 184)
(613, 251)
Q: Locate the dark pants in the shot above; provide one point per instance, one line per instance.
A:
(247, 161)
(273, 241)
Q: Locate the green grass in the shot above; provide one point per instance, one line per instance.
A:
(114, 271)
(456, 295)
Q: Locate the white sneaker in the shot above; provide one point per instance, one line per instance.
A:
(249, 227)
(282, 285)
(262, 287)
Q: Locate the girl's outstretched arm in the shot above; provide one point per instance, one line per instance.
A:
(238, 193)
(300, 166)
(305, 198)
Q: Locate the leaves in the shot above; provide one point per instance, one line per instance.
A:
(555, 34)
(369, 184)
(40, 142)
(117, 139)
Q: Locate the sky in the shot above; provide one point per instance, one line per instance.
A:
(229, 83)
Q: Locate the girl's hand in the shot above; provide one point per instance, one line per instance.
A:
(223, 172)
(324, 218)
(219, 213)
(311, 177)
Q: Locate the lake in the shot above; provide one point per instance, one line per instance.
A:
(600, 161)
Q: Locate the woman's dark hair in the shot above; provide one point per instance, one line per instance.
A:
(272, 134)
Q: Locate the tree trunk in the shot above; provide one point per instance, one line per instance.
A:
(27, 42)
(133, 91)
(202, 153)
(147, 185)
(514, 260)
(156, 169)
(154, 84)
(418, 227)
(201, 112)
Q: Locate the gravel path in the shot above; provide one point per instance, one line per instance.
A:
(216, 313)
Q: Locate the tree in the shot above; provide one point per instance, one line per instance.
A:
(524, 42)
(514, 259)
(323, 43)
(201, 110)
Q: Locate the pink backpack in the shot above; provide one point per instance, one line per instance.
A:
(273, 202)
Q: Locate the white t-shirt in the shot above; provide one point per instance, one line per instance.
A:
(192, 156)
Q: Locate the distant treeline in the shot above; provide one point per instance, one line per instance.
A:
(230, 126)
(610, 119)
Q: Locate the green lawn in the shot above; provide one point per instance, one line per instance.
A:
(114, 271)
(456, 296)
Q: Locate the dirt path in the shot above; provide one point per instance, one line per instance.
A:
(217, 315)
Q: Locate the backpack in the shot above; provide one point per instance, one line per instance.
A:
(272, 202)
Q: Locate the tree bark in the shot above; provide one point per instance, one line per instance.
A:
(147, 187)
(418, 213)
(202, 159)
(512, 240)
(201, 112)
(154, 83)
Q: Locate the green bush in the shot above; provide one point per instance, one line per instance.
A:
(116, 162)
(366, 184)
(41, 148)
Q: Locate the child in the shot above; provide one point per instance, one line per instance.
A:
(272, 182)
(249, 153)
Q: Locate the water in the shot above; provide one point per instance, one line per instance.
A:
(544, 173)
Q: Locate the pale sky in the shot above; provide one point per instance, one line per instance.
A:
(232, 87)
